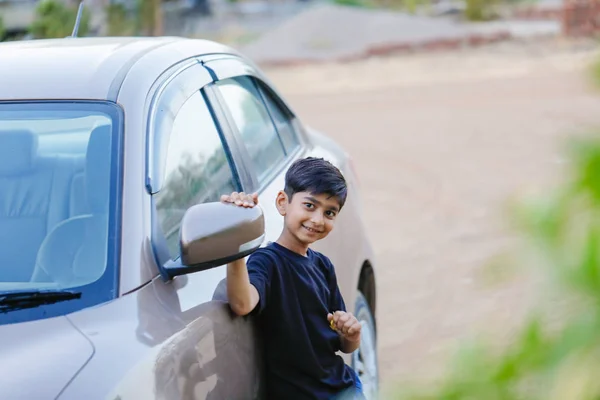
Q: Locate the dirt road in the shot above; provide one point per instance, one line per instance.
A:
(440, 143)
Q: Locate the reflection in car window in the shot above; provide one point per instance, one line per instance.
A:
(254, 123)
(283, 121)
(197, 168)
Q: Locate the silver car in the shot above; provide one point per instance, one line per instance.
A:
(113, 155)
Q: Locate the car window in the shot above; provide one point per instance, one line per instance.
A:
(254, 124)
(282, 118)
(197, 168)
(58, 204)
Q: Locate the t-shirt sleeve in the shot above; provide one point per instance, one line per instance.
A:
(260, 268)
(336, 301)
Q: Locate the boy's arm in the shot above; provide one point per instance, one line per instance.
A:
(349, 346)
(243, 296)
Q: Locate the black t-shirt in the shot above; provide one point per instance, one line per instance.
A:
(296, 294)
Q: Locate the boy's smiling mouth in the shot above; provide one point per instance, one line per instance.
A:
(311, 229)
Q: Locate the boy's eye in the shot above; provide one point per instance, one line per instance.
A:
(330, 214)
(308, 205)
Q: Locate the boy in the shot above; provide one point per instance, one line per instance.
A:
(294, 290)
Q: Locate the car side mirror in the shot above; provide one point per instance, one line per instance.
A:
(213, 234)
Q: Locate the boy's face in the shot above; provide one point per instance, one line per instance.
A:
(308, 217)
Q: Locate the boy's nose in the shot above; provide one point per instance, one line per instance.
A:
(317, 219)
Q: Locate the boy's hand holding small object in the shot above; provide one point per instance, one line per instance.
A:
(345, 324)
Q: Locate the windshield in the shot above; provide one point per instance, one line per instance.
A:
(58, 174)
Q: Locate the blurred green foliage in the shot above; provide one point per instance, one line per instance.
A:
(479, 10)
(141, 19)
(119, 20)
(2, 29)
(148, 17)
(55, 19)
(351, 3)
(595, 72)
(409, 6)
(562, 232)
(412, 5)
(475, 10)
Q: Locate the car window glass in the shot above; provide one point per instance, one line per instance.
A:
(55, 174)
(197, 168)
(283, 121)
(254, 124)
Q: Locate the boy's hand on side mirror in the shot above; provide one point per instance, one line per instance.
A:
(345, 324)
(241, 199)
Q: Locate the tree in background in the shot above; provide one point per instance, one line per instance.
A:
(55, 19)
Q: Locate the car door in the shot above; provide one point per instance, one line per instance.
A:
(266, 146)
(272, 137)
(216, 355)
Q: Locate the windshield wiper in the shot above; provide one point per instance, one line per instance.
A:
(20, 300)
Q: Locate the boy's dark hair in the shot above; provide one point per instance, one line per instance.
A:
(315, 176)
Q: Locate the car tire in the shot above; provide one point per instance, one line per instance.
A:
(364, 359)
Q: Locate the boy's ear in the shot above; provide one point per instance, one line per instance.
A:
(281, 202)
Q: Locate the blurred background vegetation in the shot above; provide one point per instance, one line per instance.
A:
(56, 19)
(473, 10)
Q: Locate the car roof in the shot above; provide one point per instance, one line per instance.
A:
(87, 68)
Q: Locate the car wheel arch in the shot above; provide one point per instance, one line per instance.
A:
(367, 286)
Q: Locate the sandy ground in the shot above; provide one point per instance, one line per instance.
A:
(441, 142)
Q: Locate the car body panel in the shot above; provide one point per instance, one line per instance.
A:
(124, 333)
(50, 348)
(81, 68)
(168, 340)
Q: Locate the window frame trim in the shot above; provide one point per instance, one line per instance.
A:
(262, 87)
(255, 185)
(246, 179)
(166, 99)
(231, 67)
